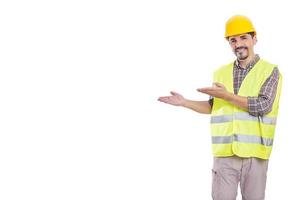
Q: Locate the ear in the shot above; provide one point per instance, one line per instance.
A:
(254, 40)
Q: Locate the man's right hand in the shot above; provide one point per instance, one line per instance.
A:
(176, 99)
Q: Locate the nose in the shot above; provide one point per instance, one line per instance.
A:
(238, 44)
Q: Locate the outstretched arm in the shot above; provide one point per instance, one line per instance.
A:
(177, 99)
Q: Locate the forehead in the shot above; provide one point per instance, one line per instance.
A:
(239, 36)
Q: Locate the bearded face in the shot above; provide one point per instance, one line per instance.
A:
(242, 45)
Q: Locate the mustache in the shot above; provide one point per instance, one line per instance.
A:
(243, 47)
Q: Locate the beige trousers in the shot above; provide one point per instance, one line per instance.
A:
(228, 172)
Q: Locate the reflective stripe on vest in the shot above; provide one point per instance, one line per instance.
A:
(242, 116)
(242, 138)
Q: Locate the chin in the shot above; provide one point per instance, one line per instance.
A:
(242, 57)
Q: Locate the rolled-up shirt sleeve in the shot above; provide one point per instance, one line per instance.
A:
(261, 105)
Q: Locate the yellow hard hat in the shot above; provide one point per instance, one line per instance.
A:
(237, 25)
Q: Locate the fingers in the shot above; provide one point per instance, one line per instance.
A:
(174, 93)
(164, 99)
(167, 98)
(208, 90)
(200, 89)
(219, 84)
(205, 89)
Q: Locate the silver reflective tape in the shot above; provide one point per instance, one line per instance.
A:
(253, 139)
(247, 116)
(221, 119)
(242, 138)
(222, 139)
(268, 120)
(242, 116)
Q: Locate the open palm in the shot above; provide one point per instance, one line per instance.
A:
(176, 99)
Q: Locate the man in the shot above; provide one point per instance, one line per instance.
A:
(243, 105)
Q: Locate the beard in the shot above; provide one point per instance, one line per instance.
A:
(241, 53)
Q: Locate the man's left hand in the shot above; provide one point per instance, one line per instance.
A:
(218, 90)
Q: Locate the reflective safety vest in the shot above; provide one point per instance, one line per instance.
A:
(234, 130)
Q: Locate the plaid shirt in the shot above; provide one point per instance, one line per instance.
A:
(261, 105)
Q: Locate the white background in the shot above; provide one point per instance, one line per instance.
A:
(79, 83)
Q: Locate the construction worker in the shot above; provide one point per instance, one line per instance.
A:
(243, 105)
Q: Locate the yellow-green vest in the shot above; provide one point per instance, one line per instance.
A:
(234, 130)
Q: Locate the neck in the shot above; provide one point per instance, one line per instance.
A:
(244, 63)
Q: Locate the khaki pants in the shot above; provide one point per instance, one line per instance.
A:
(228, 172)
